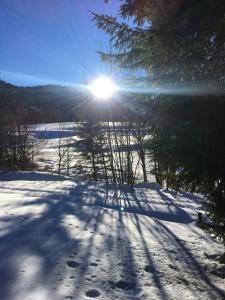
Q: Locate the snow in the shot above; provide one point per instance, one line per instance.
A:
(48, 136)
(67, 239)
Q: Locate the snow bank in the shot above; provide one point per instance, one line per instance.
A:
(60, 239)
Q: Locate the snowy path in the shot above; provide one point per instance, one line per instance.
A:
(65, 240)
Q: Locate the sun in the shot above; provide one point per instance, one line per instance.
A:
(102, 87)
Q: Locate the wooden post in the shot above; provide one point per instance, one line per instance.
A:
(200, 217)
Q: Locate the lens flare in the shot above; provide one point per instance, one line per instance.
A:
(102, 87)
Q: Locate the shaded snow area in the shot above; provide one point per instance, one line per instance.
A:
(60, 239)
(48, 135)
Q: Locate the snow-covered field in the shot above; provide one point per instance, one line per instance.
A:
(62, 239)
(48, 135)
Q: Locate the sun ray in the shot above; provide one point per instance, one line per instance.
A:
(102, 87)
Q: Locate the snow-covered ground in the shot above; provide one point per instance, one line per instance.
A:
(48, 136)
(62, 239)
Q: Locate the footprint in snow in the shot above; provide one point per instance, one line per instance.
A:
(172, 251)
(88, 279)
(175, 268)
(123, 285)
(147, 284)
(149, 269)
(73, 264)
(184, 281)
(93, 264)
(93, 293)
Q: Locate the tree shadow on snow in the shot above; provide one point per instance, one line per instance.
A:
(59, 246)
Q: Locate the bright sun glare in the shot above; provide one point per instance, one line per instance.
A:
(102, 88)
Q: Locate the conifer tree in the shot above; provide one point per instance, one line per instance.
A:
(180, 45)
(87, 134)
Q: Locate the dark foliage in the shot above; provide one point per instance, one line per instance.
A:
(47, 104)
(179, 43)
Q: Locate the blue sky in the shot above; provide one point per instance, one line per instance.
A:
(51, 41)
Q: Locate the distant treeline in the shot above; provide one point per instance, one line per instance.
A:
(47, 104)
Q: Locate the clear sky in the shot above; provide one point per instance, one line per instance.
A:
(51, 41)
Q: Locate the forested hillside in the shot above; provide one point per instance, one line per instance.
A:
(52, 103)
